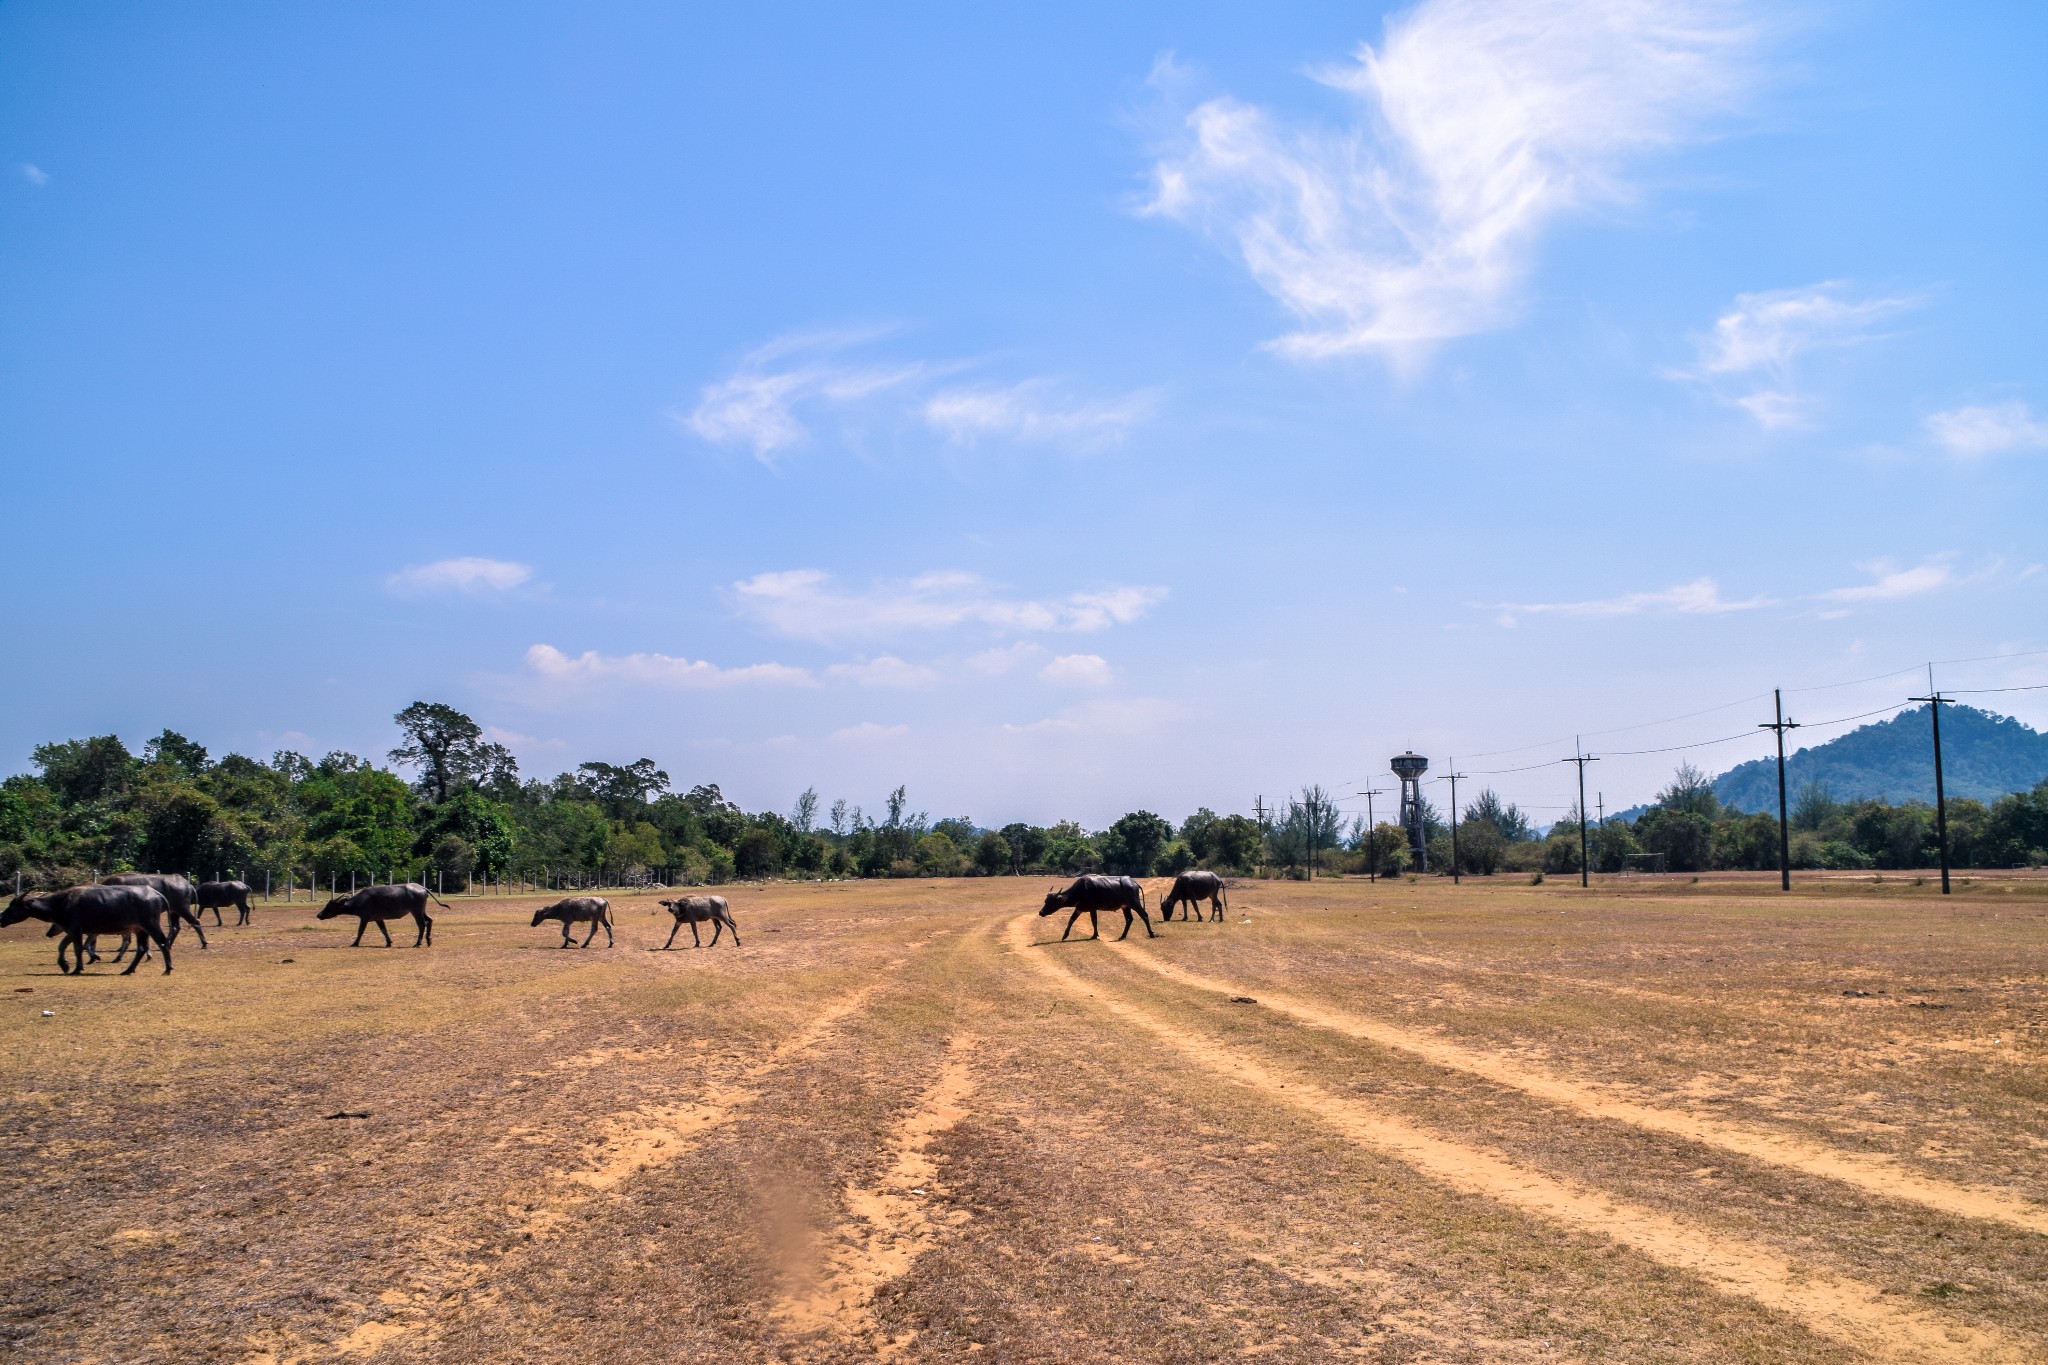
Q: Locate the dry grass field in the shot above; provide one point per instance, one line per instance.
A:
(1661, 1121)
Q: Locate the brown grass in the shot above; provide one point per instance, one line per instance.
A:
(1490, 1123)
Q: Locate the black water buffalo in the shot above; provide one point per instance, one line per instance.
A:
(375, 904)
(591, 910)
(1095, 892)
(82, 911)
(1190, 889)
(695, 910)
(216, 895)
(177, 892)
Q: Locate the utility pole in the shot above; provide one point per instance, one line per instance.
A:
(1934, 699)
(1259, 806)
(1582, 758)
(1372, 845)
(1780, 726)
(1454, 775)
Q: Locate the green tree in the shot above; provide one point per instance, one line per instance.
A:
(1505, 817)
(757, 854)
(1027, 846)
(174, 750)
(83, 770)
(448, 748)
(992, 854)
(623, 790)
(1133, 844)
(1684, 837)
(483, 828)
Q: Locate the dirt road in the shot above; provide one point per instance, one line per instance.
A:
(1403, 1122)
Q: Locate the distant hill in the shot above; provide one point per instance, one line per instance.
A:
(1982, 756)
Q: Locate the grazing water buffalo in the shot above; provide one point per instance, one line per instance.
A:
(1190, 889)
(695, 910)
(1095, 892)
(216, 895)
(594, 910)
(375, 904)
(177, 892)
(81, 911)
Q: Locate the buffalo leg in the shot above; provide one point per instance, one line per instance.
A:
(695, 942)
(360, 926)
(609, 941)
(735, 932)
(383, 929)
(1143, 916)
(150, 931)
(591, 935)
(566, 941)
(672, 935)
(717, 928)
(426, 930)
(1127, 925)
(1070, 926)
(197, 927)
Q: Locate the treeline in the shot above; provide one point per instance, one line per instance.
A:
(94, 807)
(1689, 829)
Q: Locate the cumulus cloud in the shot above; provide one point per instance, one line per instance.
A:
(1028, 412)
(1751, 355)
(468, 574)
(551, 665)
(1476, 126)
(806, 604)
(1995, 429)
(1078, 670)
(885, 671)
(1701, 597)
(34, 174)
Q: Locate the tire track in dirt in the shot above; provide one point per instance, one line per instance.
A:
(640, 1138)
(1533, 974)
(1875, 1175)
(892, 1221)
(1832, 1305)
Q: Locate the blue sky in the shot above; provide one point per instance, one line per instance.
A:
(1059, 412)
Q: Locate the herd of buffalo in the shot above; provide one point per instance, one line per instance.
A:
(146, 909)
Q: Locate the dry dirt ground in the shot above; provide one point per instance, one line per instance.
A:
(1660, 1121)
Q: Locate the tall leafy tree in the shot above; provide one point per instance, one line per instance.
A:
(449, 749)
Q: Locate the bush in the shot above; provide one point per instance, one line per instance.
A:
(1177, 859)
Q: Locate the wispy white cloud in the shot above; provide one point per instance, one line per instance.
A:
(551, 665)
(468, 574)
(1477, 126)
(1701, 597)
(1751, 355)
(1030, 412)
(770, 402)
(34, 174)
(1890, 583)
(757, 405)
(1079, 670)
(869, 730)
(1122, 717)
(804, 603)
(993, 663)
(885, 671)
(1973, 432)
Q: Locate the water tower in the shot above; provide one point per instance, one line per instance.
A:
(1410, 767)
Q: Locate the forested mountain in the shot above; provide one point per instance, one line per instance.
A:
(1983, 757)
